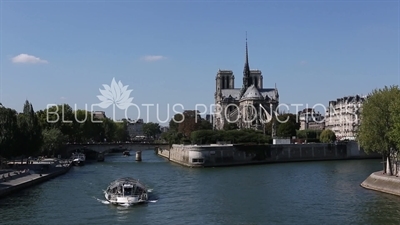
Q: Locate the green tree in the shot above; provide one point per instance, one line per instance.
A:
(29, 130)
(205, 125)
(175, 121)
(53, 140)
(151, 129)
(233, 136)
(77, 126)
(230, 126)
(289, 118)
(309, 135)
(287, 124)
(109, 129)
(203, 137)
(172, 137)
(287, 129)
(61, 117)
(95, 130)
(41, 115)
(81, 126)
(191, 122)
(377, 132)
(9, 132)
(327, 136)
(87, 128)
(121, 133)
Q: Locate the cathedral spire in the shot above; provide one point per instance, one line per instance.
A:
(247, 52)
(246, 69)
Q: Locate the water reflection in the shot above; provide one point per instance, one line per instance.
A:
(380, 208)
(122, 213)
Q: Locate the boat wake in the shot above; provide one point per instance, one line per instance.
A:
(125, 205)
(105, 202)
(102, 201)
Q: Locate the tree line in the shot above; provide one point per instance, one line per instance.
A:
(189, 127)
(43, 132)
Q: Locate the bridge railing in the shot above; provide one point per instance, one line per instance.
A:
(118, 143)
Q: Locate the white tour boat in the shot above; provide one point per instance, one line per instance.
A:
(78, 159)
(126, 191)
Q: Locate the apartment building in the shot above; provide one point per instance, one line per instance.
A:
(343, 116)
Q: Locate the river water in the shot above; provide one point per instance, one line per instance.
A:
(287, 193)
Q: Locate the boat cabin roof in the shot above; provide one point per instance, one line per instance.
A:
(127, 182)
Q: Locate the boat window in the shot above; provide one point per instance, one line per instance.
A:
(127, 191)
(128, 186)
(138, 191)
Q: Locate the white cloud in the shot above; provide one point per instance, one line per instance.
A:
(63, 98)
(153, 58)
(304, 62)
(25, 58)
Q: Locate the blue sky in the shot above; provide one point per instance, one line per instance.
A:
(169, 52)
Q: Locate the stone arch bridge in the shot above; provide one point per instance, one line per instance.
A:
(109, 147)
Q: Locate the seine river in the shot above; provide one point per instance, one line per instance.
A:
(287, 193)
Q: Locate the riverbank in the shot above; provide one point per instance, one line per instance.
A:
(12, 181)
(230, 155)
(378, 181)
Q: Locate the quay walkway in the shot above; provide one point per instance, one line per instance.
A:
(378, 181)
(13, 180)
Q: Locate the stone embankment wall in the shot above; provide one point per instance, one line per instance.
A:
(30, 180)
(163, 152)
(226, 155)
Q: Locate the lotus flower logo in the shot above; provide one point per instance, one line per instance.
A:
(116, 94)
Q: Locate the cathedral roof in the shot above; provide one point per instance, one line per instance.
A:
(265, 93)
(269, 93)
(234, 93)
(252, 93)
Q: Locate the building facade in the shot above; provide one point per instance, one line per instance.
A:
(210, 118)
(250, 106)
(343, 116)
(311, 120)
(164, 129)
(135, 129)
(99, 115)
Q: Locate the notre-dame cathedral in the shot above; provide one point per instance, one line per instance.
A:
(245, 106)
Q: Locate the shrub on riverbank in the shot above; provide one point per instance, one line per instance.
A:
(232, 136)
(214, 136)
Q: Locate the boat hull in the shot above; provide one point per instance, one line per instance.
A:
(78, 159)
(78, 163)
(126, 191)
(131, 200)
